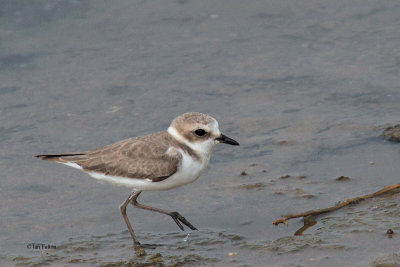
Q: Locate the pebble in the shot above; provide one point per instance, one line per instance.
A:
(342, 178)
(389, 232)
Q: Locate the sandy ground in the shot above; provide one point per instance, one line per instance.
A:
(305, 86)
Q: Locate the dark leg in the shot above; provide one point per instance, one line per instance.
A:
(178, 219)
(122, 207)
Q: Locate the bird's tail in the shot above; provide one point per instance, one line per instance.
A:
(57, 157)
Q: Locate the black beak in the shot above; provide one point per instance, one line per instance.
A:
(225, 139)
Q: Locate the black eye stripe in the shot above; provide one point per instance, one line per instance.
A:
(200, 132)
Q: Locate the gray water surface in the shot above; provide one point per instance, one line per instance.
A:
(306, 87)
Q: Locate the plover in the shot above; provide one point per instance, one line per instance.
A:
(158, 161)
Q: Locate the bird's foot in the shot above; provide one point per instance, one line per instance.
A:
(139, 249)
(180, 219)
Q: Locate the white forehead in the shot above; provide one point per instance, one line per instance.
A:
(213, 127)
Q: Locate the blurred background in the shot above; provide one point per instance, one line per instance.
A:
(306, 87)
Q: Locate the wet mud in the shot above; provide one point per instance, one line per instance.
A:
(306, 88)
(392, 133)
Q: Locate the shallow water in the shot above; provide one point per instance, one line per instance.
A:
(305, 87)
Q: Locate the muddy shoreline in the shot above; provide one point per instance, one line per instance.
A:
(306, 88)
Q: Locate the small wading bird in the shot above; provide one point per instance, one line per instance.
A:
(158, 161)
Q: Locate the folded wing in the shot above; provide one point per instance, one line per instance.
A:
(132, 158)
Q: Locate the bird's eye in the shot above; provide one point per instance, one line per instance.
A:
(200, 132)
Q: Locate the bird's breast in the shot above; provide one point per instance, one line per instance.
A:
(188, 171)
